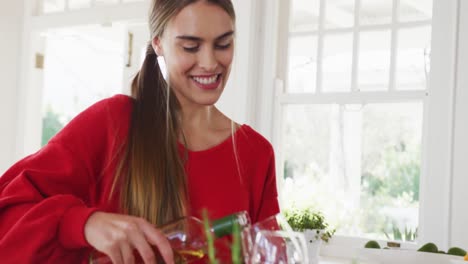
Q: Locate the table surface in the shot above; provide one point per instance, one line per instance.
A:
(335, 260)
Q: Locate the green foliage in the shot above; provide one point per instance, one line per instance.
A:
(236, 245)
(391, 180)
(50, 125)
(410, 235)
(209, 238)
(407, 235)
(300, 220)
(399, 175)
(397, 233)
(236, 253)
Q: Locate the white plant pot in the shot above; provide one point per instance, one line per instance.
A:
(314, 242)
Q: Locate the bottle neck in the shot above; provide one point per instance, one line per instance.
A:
(225, 226)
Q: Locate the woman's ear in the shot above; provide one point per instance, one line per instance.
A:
(156, 43)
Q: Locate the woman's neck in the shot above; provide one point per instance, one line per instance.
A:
(205, 116)
(204, 127)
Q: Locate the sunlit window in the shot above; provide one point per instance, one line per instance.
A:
(82, 65)
(352, 112)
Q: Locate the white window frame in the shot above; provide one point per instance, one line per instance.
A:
(459, 214)
(436, 171)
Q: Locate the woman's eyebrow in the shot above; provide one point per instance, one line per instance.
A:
(198, 39)
(225, 35)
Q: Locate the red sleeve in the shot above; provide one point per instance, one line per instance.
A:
(45, 199)
(269, 199)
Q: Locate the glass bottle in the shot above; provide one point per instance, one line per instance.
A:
(188, 237)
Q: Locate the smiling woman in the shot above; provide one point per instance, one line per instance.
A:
(128, 164)
(198, 51)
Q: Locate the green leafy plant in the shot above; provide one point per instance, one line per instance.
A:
(404, 235)
(303, 219)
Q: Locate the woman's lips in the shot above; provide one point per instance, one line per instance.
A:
(207, 82)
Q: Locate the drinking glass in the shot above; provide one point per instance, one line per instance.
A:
(279, 247)
(277, 228)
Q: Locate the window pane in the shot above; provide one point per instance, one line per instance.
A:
(413, 10)
(75, 80)
(413, 60)
(376, 12)
(339, 13)
(360, 165)
(391, 162)
(51, 6)
(106, 2)
(337, 62)
(374, 60)
(304, 15)
(302, 64)
(79, 4)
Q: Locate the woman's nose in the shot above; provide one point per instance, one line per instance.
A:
(208, 61)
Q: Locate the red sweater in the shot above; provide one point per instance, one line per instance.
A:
(46, 198)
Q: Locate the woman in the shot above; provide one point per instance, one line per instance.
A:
(129, 164)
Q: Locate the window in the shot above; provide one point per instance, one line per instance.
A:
(352, 111)
(86, 55)
(82, 66)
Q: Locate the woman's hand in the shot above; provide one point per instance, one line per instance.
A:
(118, 235)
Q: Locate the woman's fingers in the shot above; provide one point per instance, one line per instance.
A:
(127, 254)
(143, 247)
(118, 235)
(157, 238)
(115, 256)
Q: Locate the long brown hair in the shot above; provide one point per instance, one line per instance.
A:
(151, 172)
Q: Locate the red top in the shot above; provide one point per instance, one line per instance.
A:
(46, 198)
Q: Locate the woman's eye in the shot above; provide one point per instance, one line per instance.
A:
(225, 46)
(191, 49)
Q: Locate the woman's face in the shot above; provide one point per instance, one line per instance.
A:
(198, 48)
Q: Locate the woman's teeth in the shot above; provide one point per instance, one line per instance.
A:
(206, 80)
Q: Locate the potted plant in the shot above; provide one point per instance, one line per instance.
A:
(314, 226)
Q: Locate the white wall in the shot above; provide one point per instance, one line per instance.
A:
(459, 208)
(11, 27)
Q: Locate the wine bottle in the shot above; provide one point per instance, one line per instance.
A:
(187, 237)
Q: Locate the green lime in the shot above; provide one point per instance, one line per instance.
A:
(372, 244)
(456, 251)
(429, 247)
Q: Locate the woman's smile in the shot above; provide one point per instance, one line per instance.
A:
(207, 82)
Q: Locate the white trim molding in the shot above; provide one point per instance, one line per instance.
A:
(436, 175)
(459, 195)
(94, 15)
